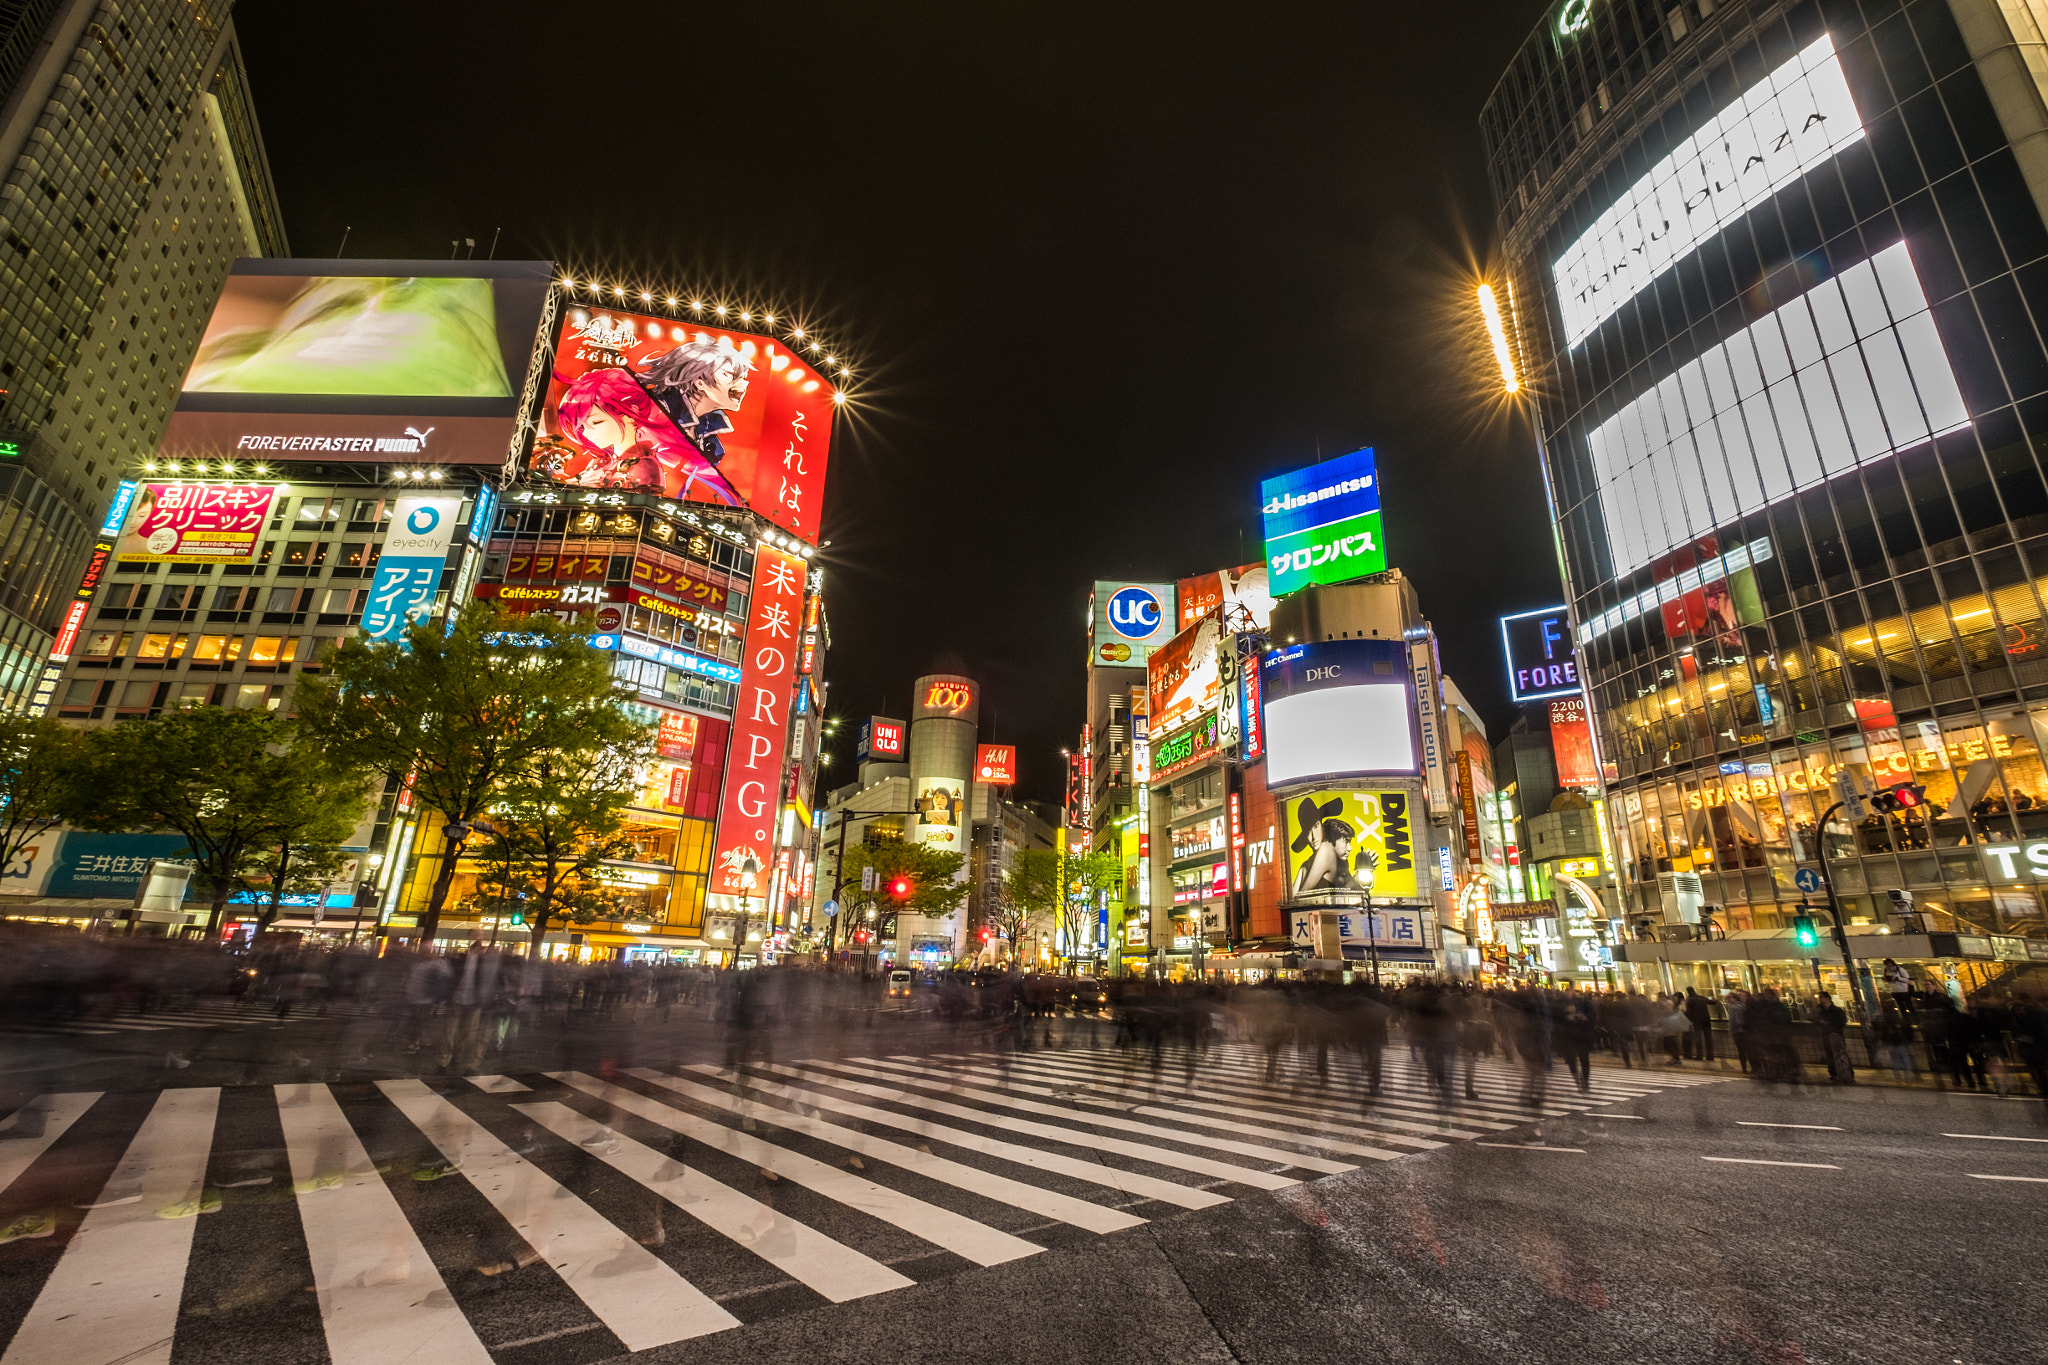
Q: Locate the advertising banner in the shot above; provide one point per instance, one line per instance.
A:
(883, 739)
(1230, 691)
(1322, 523)
(1181, 675)
(677, 735)
(1234, 593)
(697, 413)
(1571, 741)
(1186, 748)
(1345, 844)
(1127, 622)
(361, 360)
(1468, 805)
(941, 804)
(1338, 708)
(104, 866)
(1541, 659)
(996, 764)
(408, 573)
(1422, 659)
(213, 523)
(744, 840)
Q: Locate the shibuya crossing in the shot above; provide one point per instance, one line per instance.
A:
(957, 746)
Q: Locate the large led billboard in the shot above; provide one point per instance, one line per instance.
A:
(1798, 117)
(1322, 523)
(1182, 677)
(1346, 844)
(1238, 594)
(1845, 374)
(1127, 622)
(195, 523)
(703, 414)
(361, 360)
(1336, 709)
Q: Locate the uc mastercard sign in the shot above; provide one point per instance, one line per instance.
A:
(1129, 621)
(1322, 523)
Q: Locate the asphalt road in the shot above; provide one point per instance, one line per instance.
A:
(898, 1191)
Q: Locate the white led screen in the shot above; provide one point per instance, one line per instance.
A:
(1847, 373)
(1798, 117)
(1333, 731)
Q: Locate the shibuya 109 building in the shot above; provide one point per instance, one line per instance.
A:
(1778, 277)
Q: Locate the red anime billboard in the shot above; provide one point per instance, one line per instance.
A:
(696, 413)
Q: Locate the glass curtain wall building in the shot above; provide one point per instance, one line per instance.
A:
(1779, 276)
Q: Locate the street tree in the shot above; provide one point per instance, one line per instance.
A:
(1029, 896)
(557, 823)
(930, 875)
(41, 764)
(1087, 880)
(463, 712)
(233, 783)
(316, 807)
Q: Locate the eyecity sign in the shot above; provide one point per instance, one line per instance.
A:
(1322, 523)
(1541, 660)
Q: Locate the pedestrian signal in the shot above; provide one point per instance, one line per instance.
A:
(1803, 932)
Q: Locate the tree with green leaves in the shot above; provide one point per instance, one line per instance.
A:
(1086, 882)
(1029, 896)
(234, 783)
(556, 824)
(312, 816)
(41, 766)
(935, 886)
(467, 711)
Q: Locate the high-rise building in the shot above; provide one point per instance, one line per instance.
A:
(134, 175)
(1776, 278)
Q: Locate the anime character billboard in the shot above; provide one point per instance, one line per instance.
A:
(1347, 844)
(696, 413)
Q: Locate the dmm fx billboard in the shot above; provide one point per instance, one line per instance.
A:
(408, 573)
(1127, 621)
(1541, 659)
(744, 845)
(1323, 523)
(1345, 844)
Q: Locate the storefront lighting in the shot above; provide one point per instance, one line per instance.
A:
(1490, 310)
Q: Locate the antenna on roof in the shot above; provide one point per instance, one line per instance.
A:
(344, 241)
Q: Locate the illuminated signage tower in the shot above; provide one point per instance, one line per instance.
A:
(1790, 440)
(944, 715)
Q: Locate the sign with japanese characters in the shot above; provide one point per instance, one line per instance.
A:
(107, 865)
(677, 737)
(1322, 523)
(743, 847)
(408, 573)
(213, 523)
(695, 413)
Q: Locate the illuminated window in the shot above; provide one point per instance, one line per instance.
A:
(273, 649)
(101, 644)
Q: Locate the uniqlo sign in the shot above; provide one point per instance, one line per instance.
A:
(996, 764)
(744, 844)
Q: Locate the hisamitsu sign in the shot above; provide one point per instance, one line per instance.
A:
(1322, 524)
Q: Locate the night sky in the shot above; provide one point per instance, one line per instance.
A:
(1099, 269)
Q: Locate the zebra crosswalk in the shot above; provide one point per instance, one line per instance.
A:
(384, 1222)
(226, 1015)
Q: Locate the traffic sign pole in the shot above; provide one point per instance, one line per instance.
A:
(1858, 986)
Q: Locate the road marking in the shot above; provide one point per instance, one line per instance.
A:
(633, 1292)
(2025, 1179)
(115, 1293)
(382, 1302)
(941, 1227)
(498, 1085)
(1993, 1137)
(805, 1255)
(1529, 1147)
(59, 1113)
(999, 1188)
(1753, 1161)
(1812, 1127)
(1633, 1118)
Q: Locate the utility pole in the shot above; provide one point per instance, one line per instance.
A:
(1857, 986)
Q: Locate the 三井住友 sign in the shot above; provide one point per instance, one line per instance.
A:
(1541, 659)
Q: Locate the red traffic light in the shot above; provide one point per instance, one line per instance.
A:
(1910, 796)
(984, 933)
(900, 888)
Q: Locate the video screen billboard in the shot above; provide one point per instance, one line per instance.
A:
(702, 414)
(361, 360)
(1230, 591)
(1127, 622)
(1322, 523)
(1182, 677)
(1338, 708)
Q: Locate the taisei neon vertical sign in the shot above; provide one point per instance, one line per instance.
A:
(744, 845)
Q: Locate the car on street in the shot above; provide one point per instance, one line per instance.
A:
(899, 984)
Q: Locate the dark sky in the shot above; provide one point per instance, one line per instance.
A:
(1101, 269)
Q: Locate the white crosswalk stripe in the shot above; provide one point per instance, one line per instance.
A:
(828, 1179)
(222, 1015)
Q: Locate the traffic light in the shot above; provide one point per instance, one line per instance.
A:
(1803, 931)
(984, 933)
(1908, 797)
(899, 888)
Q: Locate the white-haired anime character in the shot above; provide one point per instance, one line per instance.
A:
(697, 384)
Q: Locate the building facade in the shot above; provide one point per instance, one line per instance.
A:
(135, 175)
(1775, 273)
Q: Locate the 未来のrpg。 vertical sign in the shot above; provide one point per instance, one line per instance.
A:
(408, 572)
(743, 847)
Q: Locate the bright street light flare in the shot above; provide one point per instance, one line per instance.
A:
(1491, 310)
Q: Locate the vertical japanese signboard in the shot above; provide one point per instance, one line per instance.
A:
(1571, 743)
(1468, 798)
(408, 573)
(1422, 661)
(744, 843)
